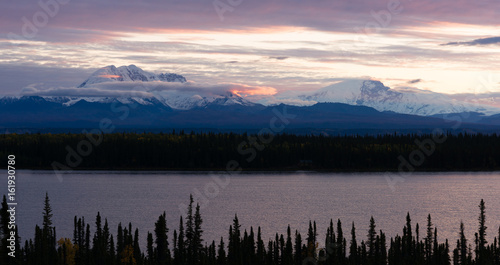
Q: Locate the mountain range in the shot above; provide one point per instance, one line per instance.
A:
(374, 94)
(166, 100)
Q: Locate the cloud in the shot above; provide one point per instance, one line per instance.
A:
(149, 89)
(288, 101)
(33, 90)
(98, 19)
(482, 99)
(483, 41)
(411, 90)
(414, 81)
(16, 76)
(279, 57)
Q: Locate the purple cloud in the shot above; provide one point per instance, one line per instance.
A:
(94, 20)
(483, 41)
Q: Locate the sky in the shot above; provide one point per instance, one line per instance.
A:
(277, 46)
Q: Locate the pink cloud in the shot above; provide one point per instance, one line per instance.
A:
(114, 16)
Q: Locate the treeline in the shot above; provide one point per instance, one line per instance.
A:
(212, 151)
(99, 246)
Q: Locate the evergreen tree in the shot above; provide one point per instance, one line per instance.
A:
(298, 248)
(428, 239)
(137, 248)
(372, 235)
(197, 241)
(276, 247)
(383, 249)
(340, 245)
(288, 251)
(120, 239)
(181, 249)
(261, 251)
(47, 214)
(408, 241)
(353, 249)
(462, 246)
(47, 236)
(234, 249)
(150, 249)
(221, 253)
(161, 234)
(190, 233)
(482, 233)
(311, 240)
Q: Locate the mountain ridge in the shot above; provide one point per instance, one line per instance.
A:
(375, 94)
(112, 73)
(36, 112)
(176, 92)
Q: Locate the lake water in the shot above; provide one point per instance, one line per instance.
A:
(269, 200)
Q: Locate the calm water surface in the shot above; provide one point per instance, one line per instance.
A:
(269, 200)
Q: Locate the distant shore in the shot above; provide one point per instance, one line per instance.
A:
(200, 152)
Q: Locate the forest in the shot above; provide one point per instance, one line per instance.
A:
(96, 245)
(213, 151)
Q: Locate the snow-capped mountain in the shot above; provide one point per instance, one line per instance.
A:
(69, 101)
(176, 98)
(175, 92)
(374, 94)
(189, 100)
(128, 73)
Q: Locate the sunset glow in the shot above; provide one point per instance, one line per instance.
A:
(263, 44)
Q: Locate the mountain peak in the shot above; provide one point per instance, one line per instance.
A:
(133, 73)
(375, 94)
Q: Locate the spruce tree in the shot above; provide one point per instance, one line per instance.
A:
(221, 253)
(462, 251)
(340, 246)
(372, 235)
(298, 248)
(150, 249)
(197, 241)
(180, 257)
(47, 235)
(482, 233)
(47, 214)
(288, 253)
(190, 231)
(119, 239)
(234, 248)
(428, 239)
(383, 249)
(261, 251)
(161, 234)
(137, 247)
(353, 249)
(251, 246)
(311, 240)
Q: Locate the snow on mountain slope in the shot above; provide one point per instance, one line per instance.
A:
(174, 91)
(180, 97)
(374, 94)
(128, 73)
(188, 100)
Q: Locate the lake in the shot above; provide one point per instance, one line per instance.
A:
(269, 200)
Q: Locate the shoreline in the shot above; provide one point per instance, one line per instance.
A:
(250, 171)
